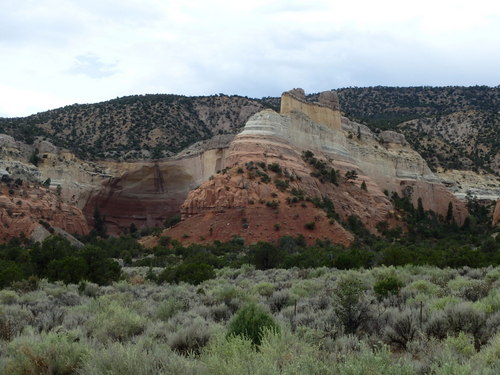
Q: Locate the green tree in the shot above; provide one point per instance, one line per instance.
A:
(449, 213)
(9, 272)
(101, 269)
(99, 223)
(349, 305)
(70, 270)
(192, 273)
(265, 255)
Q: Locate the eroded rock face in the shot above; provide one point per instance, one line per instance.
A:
(22, 210)
(395, 167)
(147, 193)
(228, 203)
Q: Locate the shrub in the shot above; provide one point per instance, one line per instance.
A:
(171, 221)
(468, 289)
(190, 339)
(464, 318)
(310, 225)
(250, 322)
(436, 326)
(168, 308)
(390, 284)
(275, 167)
(45, 353)
(13, 319)
(377, 362)
(282, 185)
(115, 322)
(402, 330)
(137, 359)
(463, 344)
(264, 288)
(278, 300)
(490, 354)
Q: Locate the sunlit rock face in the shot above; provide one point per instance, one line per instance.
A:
(146, 193)
(24, 208)
(384, 162)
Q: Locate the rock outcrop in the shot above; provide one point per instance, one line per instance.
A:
(23, 209)
(146, 193)
(239, 203)
(149, 192)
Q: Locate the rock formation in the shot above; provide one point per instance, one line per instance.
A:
(237, 202)
(23, 209)
(146, 193)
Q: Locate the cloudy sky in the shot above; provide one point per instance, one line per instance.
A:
(59, 52)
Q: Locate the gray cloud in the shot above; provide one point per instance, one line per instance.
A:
(257, 48)
(92, 66)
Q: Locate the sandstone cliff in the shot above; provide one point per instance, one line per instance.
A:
(24, 208)
(146, 193)
(238, 203)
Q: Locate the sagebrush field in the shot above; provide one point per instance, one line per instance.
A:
(386, 320)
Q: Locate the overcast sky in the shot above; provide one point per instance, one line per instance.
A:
(59, 52)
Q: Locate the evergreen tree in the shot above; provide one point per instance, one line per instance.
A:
(449, 213)
(99, 223)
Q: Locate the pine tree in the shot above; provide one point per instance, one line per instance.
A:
(99, 222)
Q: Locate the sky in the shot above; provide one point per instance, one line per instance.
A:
(59, 52)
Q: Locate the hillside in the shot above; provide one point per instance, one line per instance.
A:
(135, 127)
(453, 127)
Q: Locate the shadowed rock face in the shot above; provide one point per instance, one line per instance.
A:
(145, 196)
(148, 193)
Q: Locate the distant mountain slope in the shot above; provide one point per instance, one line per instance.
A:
(135, 127)
(452, 127)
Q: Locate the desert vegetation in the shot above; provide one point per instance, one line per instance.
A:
(422, 302)
(384, 320)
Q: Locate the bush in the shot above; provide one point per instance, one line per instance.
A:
(45, 353)
(250, 322)
(137, 359)
(349, 305)
(190, 339)
(168, 309)
(403, 330)
(192, 273)
(115, 322)
(390, 284)
(310, 225)
(464, 318)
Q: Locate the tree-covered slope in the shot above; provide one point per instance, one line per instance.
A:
(135, 126)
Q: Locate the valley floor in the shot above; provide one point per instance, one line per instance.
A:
(384, 320)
